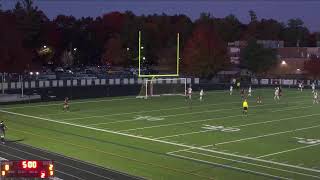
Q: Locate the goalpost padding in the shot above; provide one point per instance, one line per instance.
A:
(163, 87)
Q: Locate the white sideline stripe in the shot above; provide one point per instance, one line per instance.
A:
(55, 178)
(57, 162)
(163, 142)
(77, 102)
(232, 167)
(163, 125)
(244, 125)
(266, 135)
(157, 110)
(259, 165)
(289, 150)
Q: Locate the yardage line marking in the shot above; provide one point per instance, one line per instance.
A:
(186, 122)
(289, 150)
(183, 134)
(266, 135)
(113, 154)
(181, 114)
(244, 125)
(77, 102)
(55, 170)
(59, 162)
(147, 111)
(259, 165)
(173, 108)
(211, 104)
(161, 141)
(230, 167)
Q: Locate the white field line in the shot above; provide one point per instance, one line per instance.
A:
(61, 103)
(259, 165)
(230, 167)
(183, 134)
(172, 124)
(289, 150)
(163, 142)
(266, 135)
(184, 107)
(293, 108)
(181, 114)
(55, 178)
(173, 115)
(78, 160)
(243, 125)
(172, 108)
(157, 110)
(146, 111)
(104, 177)
(186, 122)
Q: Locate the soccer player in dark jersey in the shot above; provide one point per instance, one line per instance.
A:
(3, 128)
(66, 104)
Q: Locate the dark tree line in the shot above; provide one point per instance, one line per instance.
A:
(28, 39)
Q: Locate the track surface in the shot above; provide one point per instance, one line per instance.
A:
(65, 168)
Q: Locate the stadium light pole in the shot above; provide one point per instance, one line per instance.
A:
(139, 56)
(178, 53)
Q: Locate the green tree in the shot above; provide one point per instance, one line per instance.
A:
(31, 21)
(296, 34)
(258, 59)
(253, 16)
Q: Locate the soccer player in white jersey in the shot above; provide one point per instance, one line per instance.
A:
(276, 94)
(189, 92)
(315, 98)
(300, 86)
(201, 94)
(231, 89)
(249, 91)
(313, 87)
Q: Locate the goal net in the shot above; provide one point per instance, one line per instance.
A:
(163, 87)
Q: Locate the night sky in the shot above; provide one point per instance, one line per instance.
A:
(282, 10)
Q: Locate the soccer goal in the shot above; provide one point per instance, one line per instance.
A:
(163, 87)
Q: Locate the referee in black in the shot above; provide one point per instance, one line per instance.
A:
(3, 128)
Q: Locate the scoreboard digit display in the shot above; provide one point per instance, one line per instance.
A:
(27, 168)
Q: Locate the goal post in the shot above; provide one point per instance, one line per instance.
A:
(163, 87)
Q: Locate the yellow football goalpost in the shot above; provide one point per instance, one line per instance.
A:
(157, 86)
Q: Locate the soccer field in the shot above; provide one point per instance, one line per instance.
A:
(169, 138)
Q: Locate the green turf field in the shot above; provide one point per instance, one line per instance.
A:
(169, 138)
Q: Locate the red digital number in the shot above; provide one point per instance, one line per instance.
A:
(29, 164)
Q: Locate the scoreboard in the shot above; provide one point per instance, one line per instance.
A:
(27, 169)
